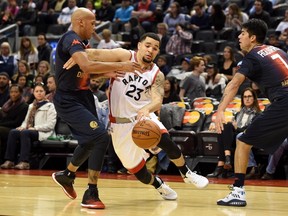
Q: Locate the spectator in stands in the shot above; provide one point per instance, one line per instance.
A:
(199, 21)
(51, 85)
(205, 7)
(273, 41)
(31, 4)
(235, 17)
(162, 30)
(170, 90)
(268, 6)
(95, 85)
(24, 69)
(39, 124)
(27, 90)
(283, 25)
(38, 79)
(64, 18)
(3, 6)
(273, 161)
(4, 88)
(144, 10)
(260, 13)
(8, 62)
(194, 85)
(8, 16)
(224, 4)
(180, 73)
(122, 16)
(28, 52)
(174, 17)
(107, 42)
(12, 115)
(26, 19)
(162, 64)
(228, 65)
(48, 12)
(215, 82)
(283, 40)
(217, 17)
(43, 70)
(44, 48)
(135, 31)
(249, 109)
(106, 12)
(89, 5)
(180, 42)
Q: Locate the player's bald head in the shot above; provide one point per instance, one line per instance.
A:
(81, 13)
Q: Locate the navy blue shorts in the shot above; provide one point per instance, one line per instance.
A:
(269, 129)
(79, 112)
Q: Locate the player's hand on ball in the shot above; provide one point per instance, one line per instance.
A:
(146, 134)
(143, 114)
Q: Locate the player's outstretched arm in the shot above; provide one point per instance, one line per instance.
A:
(228, 95)
(109, 55)
(93, 67)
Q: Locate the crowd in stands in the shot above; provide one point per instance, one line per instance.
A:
(198, 53)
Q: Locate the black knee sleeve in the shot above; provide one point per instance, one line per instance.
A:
(96, 148)
(171, 149)
(96, 158)
(144, 175)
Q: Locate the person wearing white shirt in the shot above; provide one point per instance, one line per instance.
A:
(107, 42)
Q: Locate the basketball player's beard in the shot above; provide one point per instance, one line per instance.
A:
(146, 61)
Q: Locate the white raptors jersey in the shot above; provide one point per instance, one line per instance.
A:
(132, 92)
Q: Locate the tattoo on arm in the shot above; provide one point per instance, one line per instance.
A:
(159, 84)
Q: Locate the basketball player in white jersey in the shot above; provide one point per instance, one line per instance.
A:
(135, 96)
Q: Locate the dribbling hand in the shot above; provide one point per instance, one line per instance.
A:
(220, 121)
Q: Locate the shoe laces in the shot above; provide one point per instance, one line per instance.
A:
(93, 193)
(195, 178)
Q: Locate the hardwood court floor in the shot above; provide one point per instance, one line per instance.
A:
(34, 193)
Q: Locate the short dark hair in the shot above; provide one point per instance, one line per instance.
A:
(256, 27)
(151, 35)
(20, 89)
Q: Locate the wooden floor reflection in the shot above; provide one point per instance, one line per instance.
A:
(38, 195)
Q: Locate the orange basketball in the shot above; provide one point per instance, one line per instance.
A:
(146, 134)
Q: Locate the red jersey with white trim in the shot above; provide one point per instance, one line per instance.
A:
(132, 92)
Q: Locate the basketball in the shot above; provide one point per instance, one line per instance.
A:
(146, 134)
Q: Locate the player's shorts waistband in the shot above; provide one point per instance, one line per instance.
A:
(119, 120)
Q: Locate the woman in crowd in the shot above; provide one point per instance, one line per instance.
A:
(24, 69)
(228, 66)
(28, 52)
(39, 124)
(215, 82)
(27, 90)
(43, 69)
(217, 17)
(170, 90)
(235, 17)
(249, 109)
(12, 115)
(174, 17)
